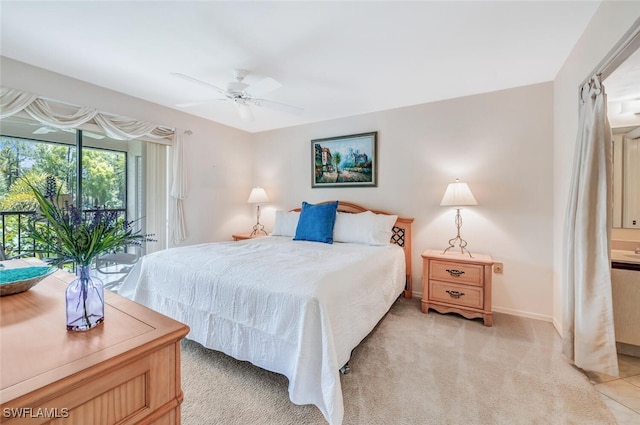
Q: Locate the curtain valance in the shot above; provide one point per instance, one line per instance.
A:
(13, 101)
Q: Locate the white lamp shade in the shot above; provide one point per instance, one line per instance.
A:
(458, 195)
(258, 196)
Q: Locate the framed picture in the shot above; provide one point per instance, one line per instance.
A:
(344, 161)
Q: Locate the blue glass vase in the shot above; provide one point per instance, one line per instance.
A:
(85, 301)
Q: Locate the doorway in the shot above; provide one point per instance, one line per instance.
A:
(622, 85)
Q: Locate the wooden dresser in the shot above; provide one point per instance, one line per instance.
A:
(457, 283)
(124, 371)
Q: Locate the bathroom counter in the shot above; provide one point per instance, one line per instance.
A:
(625, 291)
(622, 259)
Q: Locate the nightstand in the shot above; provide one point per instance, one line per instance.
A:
(243, 236)
(457, 283)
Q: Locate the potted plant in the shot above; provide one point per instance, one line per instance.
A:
(62, 229)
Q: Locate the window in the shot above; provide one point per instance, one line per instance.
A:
(28, 149)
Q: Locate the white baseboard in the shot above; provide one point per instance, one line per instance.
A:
(558, 327)
(526, 314)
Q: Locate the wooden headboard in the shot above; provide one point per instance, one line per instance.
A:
(401, 236)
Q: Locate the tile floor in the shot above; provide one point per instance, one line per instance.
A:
(621, 395)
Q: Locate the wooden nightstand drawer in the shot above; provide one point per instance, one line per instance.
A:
(447, 271)
(457, 283)
(452, 293)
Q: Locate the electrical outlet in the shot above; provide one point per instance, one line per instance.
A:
(498, 268)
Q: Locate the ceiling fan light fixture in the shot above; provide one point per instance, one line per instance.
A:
(243, 110)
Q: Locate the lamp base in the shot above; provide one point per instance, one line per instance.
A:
(258, 229)
(461, 242)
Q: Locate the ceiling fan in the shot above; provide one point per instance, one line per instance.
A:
(47, 129)
(242, 95)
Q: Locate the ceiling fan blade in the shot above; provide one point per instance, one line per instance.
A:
(278, 106)
(44, 130)
(263, 86)
(201, 102)
(93, 135)
(202, 83)
(85, 133)
(244, 110)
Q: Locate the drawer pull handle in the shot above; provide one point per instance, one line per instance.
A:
(455, 294)
(455, 273)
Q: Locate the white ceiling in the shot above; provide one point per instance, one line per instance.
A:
(333, 59)
(623, 85)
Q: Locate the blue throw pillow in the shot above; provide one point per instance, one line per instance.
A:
(316, 222)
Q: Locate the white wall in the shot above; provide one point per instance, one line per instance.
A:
(217, 157)
(500, 143)
(609, 23)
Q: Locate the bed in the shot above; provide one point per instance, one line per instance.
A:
(294, 307)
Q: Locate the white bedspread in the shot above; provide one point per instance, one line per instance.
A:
(293, 307)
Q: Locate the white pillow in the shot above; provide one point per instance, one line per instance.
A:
(286, 223)
(366, 228)
(354, 228)
(382, 229)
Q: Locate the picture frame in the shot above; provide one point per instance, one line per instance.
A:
(345, 161)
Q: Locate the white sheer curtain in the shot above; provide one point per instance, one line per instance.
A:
(178, 191)
(589, 339)
(155, 216)
(13, 101)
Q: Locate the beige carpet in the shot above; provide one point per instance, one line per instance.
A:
(412, 369)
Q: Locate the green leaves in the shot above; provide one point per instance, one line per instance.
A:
(70, 234)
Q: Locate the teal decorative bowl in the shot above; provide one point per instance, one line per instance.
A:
(13, 281)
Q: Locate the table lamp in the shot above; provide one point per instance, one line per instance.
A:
(458, 195)
(258, 196)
